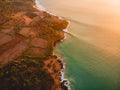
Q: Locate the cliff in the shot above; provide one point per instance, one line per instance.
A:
(27, 39)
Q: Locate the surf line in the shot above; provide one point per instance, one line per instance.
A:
(63, 80)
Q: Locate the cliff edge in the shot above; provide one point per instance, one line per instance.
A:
(27, 39)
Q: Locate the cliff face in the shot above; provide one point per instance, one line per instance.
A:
(27, 39)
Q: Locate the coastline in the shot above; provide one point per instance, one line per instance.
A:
(28, 50)
(63, 80)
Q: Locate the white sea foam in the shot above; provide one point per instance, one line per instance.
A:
(39, 6)
(66, 83)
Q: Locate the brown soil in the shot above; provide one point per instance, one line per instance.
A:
(27, 38)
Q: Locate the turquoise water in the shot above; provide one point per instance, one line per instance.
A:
(85, 67)
(92, 49)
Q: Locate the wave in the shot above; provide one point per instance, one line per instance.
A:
(63, 80)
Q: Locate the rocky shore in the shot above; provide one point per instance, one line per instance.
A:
(27, 39)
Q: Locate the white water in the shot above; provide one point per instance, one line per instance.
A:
(93, 50)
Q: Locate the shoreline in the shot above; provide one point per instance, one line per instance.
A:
(63, 80)
(28, 37)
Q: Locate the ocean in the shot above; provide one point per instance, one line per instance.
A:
(91, 50)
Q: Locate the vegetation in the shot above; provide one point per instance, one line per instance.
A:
(17, 29)
(25, 74)
(9, 7)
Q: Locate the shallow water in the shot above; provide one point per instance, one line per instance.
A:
(92, 50)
